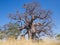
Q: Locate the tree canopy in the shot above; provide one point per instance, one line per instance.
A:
(35, 20)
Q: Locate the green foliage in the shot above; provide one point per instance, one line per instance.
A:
(10, 29)
(58, 36)
(13, 29)
(1, 35)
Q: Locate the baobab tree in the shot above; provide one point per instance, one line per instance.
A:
(35, 20)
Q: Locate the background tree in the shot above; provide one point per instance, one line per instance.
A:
(11, 29)
(1, 33)
(35, 20)
(58, 36)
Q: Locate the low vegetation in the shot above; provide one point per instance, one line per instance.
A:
(46, 41)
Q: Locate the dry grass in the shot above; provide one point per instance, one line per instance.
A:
(29, 42)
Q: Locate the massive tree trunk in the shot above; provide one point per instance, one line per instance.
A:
(29, 34)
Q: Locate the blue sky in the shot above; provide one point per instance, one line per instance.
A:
(11, 6)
